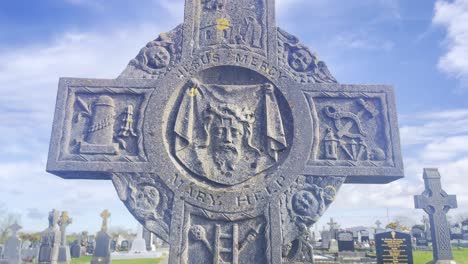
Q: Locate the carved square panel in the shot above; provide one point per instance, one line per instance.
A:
(97, 123)
(355, 133)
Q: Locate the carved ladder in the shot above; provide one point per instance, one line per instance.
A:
(219, 249)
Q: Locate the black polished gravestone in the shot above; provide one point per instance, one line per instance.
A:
(393, 248)
(227, 137)
(365, 236)
(419, 236)
(345, 241)
(456, 232)
(436, 203)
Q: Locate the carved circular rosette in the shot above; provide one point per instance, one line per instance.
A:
(148, 199)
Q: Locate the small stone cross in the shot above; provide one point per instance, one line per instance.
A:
(64, 222)
(53, 218)
(15, 228)
(105, 217)
(436, 203)
(332, 224)
(378, 224)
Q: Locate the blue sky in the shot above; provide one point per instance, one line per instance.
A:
(419, 46)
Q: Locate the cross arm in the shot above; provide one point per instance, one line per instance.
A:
(420, 202)
(98, 128)
(355, 133)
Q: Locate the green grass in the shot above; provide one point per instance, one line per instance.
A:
(87, 260)
(420, 257)
(423, 257)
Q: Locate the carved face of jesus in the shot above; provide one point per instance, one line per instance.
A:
(226, 143)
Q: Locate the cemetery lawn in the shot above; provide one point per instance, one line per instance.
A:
(423, 257)
(87, 260)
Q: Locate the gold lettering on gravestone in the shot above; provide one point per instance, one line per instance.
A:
(395, 252)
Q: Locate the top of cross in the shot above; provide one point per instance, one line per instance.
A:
(378, 223)
(332, 224)
(15, 228)
(105, 217)
(65, 219)
(434, 199)
(53, 218)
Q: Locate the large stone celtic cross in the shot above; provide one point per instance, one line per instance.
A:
(227, 137)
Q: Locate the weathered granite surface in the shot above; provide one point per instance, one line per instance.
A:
(227, 137)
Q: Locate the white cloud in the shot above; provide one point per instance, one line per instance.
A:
(362, 41)
(425, 128)
(446, 149)
(453, 16)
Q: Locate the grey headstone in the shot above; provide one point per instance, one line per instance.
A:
(26, 244)
(420, 236)
(102, 252)
(148, 237)
(29, 255)
(113, 246)
(75, 249)
(465, 236)
(345, 241)
(365, 236)
(333, 246)
(138, 244)
(427, 227)
(12, 250)
(225, 131)
(436, 203)
(326, 237)
(125, 245)
(456, 232)
(50, 241)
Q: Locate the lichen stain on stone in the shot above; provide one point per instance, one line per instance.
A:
(192, 92)
(223, 24)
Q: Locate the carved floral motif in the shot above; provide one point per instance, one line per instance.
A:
(305, 202)
(157, 57)
(301, 64)
(148, 199)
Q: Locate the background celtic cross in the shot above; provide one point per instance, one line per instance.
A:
(105, 215)
(436, 203)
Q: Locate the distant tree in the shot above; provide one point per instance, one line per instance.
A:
(115, 231)
(32, 237)
(421, 227)
(392, 225)
(7, 219)
(460, 218)
(396, 225)
(404, 221)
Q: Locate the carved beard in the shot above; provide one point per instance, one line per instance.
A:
(226, 158)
